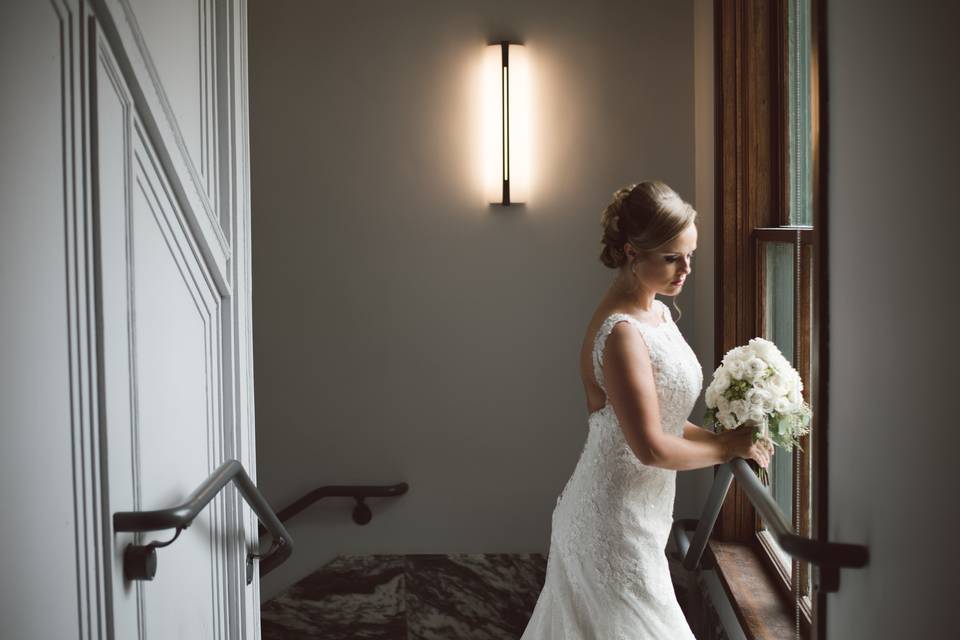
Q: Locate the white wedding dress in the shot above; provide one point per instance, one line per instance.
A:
(607, 574)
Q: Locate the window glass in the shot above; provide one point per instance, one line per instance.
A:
(779, 316)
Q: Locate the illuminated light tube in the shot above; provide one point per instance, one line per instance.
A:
(506, 123)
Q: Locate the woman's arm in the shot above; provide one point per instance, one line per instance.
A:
(693, 432)
(633, 395)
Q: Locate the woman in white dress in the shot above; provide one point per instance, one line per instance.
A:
(607, 574)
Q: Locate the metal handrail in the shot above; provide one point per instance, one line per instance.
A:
(140, 560)
(829, 557)
(359, 492)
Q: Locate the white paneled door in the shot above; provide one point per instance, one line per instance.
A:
(125, 333)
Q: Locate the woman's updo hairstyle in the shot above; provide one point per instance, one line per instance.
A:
(648, 215)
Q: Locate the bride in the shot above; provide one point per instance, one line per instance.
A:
(607, 574)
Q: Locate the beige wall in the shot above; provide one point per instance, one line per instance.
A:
(404, 330)
(893, 134)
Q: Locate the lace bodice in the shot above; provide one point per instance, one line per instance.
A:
(676, 370)
(607, 573)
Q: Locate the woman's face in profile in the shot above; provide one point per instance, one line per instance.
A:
(665, 270)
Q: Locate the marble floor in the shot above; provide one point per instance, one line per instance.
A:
(415, 597)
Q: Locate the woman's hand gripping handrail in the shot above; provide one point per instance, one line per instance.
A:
(829, 557)
(140, 562)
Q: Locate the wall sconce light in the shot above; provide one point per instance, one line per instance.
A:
(507, 123)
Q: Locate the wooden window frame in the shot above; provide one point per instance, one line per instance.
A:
(752, 194)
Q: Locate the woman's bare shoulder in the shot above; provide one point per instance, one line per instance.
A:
(600, 314)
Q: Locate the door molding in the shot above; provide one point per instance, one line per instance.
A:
(198, 196)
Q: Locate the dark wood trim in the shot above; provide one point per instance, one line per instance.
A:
(750, 189)
(773, 564)
(760, 251)
(781, 49)
(736, 516)
(784, 235)
(821, 335)
(760, 606)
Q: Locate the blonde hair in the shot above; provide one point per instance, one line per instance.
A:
(646, 215)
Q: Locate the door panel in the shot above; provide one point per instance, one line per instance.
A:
(162, 392)
(177, 54)
(179, 37)
(176, 324)
(179, 48)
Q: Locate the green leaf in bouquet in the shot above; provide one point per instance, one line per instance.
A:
(774, 421)
(737, 389)
(710, 420)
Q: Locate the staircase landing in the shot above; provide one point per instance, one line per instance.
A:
(410, 597)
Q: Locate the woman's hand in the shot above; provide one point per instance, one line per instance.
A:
(740, 444)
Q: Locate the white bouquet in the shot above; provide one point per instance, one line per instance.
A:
(756, 385)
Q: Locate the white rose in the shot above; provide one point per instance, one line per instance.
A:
(797, 381)
(727, 419)
(735, 354)
(740, 408)
(757, 397)
(723, 404)
(736, 369)
(711, 397)
(768, 352)
(721, 380)
(783, 365)
(756, 368)
(765, 350)
(769, 393)
(794, 396)
(777, 384)
(729, 357)
(782, 405)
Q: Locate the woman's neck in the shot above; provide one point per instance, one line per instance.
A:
(641, 299)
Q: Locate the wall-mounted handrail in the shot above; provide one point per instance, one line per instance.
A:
(829, 557)
(140, 561)
(359, 492)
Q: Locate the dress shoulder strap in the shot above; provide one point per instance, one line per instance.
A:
(665, 313)
(600, 342)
